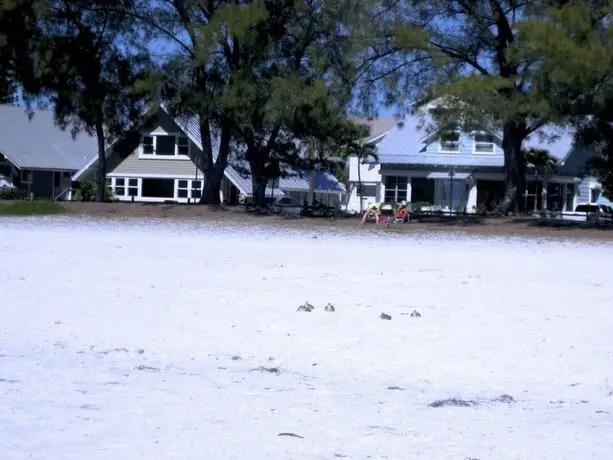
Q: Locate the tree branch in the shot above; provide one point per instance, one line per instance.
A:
(464, 57)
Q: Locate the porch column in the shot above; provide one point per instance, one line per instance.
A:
(381, 190)
(409, 189)
(471, 201)
(544, 195)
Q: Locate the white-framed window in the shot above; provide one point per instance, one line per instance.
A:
(123, 187)
(26, 176)
(187, 188)
(164, 146)
(449, 142)
(366, 190)
(594, 194)
(396, 189)
(196, 189)
(483, 143)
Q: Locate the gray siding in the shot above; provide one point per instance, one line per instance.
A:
(133, 166)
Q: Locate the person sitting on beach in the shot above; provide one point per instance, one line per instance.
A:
(371, 213)
(402, 213)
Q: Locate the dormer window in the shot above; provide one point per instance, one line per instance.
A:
(484, 143)
(450, 142)
(164, 146)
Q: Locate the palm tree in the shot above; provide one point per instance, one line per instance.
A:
(361, 150)
(544, 164)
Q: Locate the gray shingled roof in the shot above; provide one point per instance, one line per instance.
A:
(38, 143)
(295, 180)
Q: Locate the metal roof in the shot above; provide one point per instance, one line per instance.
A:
(39, 143)
(237, 169)
(405, 141)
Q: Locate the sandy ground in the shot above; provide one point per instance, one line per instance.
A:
(490, 226)
(519, 227)
(163, 339)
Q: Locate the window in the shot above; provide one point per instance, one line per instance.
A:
(366, 190)
(450, 193)
(132, 187)
(123, 186)
(165, 145)
(158, 188)
(484, 143)
(594, 195)
(189, 189)
(182, 188)
(119, 187)
(196, 189)
(26, 176)
(148, 146)
(183, 145)
(450, 142)
(396, 188)
(57, 178)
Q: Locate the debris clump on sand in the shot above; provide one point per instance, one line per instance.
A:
(329, 307)
(507, 399)
(291, 435)
(385, 316)
(306, 307)
(269, 370)
(415, 314)
(456, 402)
(452, 402)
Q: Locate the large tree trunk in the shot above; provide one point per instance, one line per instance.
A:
(258, 184)
(514, 168)
(101, 170)
(213, 170)
(259, 181)
(212, 186)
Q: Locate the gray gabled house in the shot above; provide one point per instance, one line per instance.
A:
(156, 161)
(37, 156)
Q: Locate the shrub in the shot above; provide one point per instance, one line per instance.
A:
(89, 190)
(418, 205)
(12, 193)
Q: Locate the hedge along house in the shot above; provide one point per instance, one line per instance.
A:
(157, 162)
(465, 170)
(37, 156)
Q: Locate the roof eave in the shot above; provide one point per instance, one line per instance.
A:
(108, 148)
(11, 160)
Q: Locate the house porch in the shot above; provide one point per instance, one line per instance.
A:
(459, 191)
(158, 188)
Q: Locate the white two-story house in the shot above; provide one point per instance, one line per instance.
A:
(464, 170)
